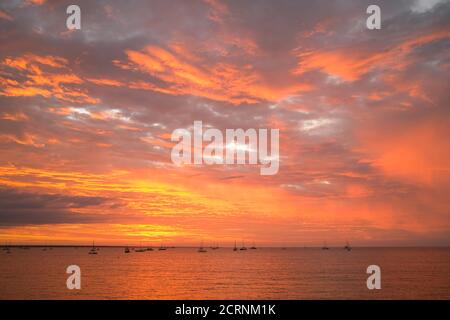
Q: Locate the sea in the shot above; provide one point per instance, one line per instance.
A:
(263, 273)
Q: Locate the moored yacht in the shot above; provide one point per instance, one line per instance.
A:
(347, 247)
(325, 247)
(93, 249)
(201, 249)
(141, 249)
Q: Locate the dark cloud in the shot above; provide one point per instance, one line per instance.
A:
(26, 208)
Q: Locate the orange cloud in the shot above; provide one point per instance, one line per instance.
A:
(417, 153)
(13, 116)
(35, 2)
(221, 81)
(6, 16)
(106, 82)
(351, 64)
(26, 139)
(45, 76)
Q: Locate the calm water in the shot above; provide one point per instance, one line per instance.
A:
(265, 273)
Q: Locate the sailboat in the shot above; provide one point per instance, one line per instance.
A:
(162, 248)
(93, 249)
(243, 247)
(6, 248)
(325, 247)
(141, 249)
(201, 249)
(127, 250)
(235, 248)
(347, 247)
(253, 246)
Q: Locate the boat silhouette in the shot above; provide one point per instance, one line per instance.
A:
(214, 247)
(141, 249)
(347, 247)
(93, 249)
(6, 248)
(201, 249)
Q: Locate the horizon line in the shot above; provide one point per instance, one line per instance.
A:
(185, 246)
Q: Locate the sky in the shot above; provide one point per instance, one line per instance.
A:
(86, 118)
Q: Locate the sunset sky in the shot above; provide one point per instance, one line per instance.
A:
(86, 118)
